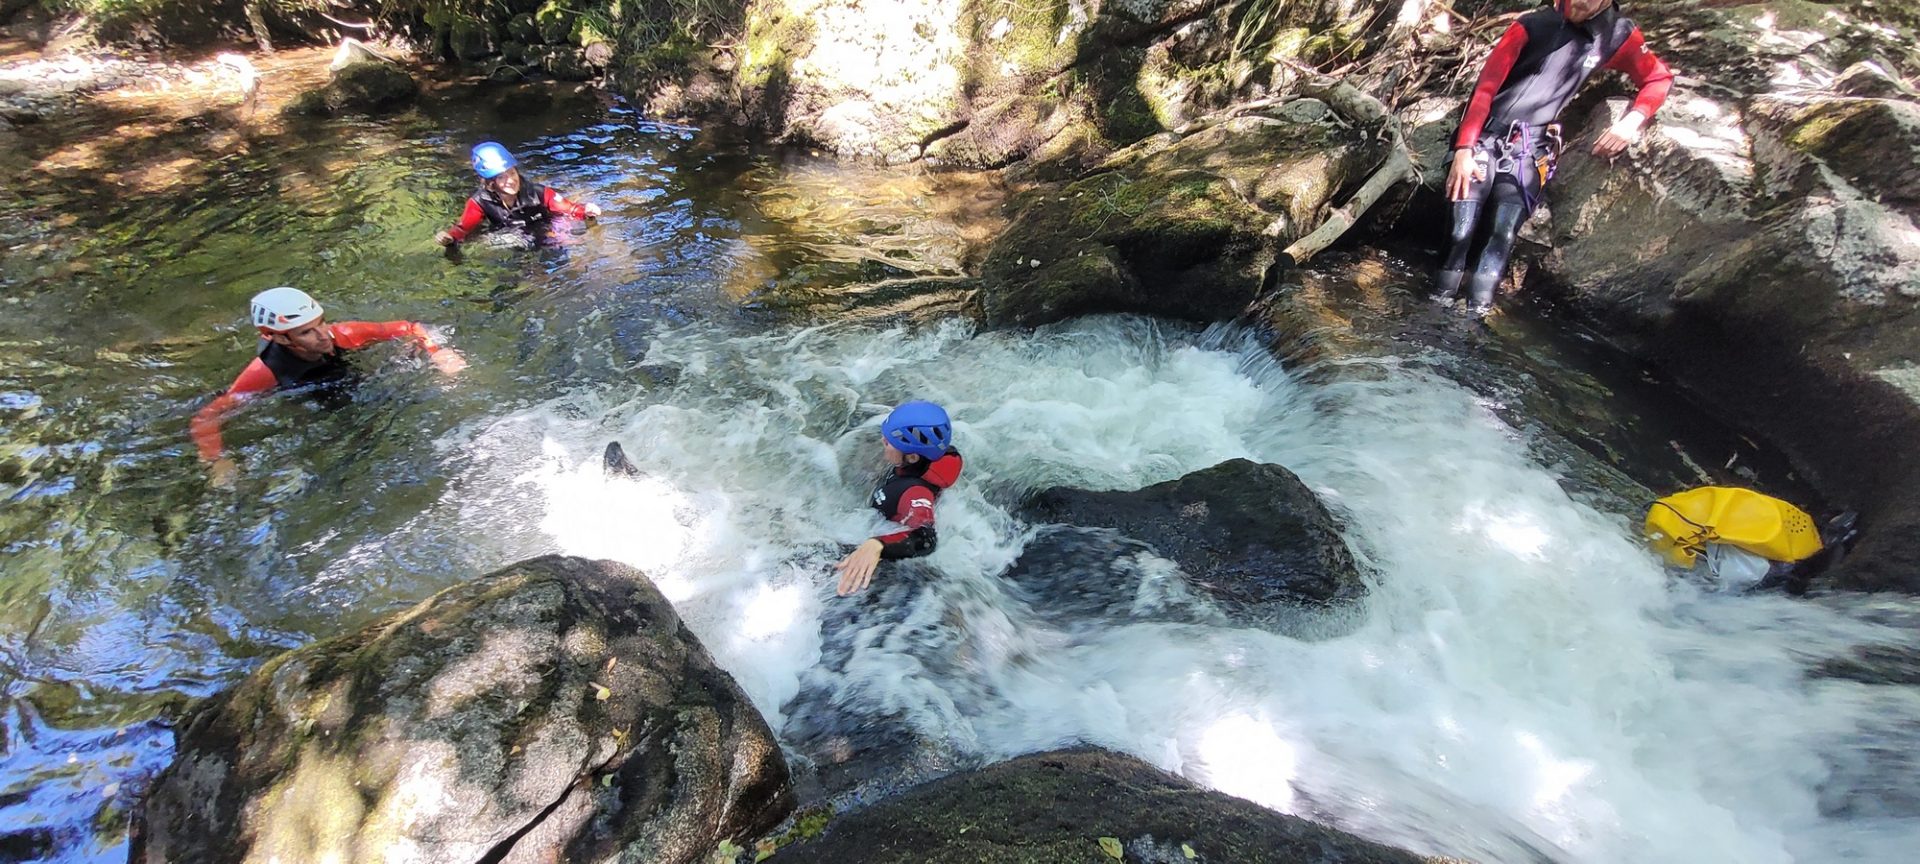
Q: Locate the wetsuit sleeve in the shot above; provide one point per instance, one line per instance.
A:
(916, 537)
(354, 335)
(256, 378)
(558, 205)
(1494, 74)
(1647, 71)
(470, 220)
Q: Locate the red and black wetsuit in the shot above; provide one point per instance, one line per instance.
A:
(277, 367)
(529, 211)
(906, 495)
(1534, 71)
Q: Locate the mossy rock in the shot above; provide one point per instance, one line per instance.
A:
(1183, 228)
(471, 39)
(369, 87)
(524, 29)
(1873, 144)
(1054, 808)
(556, 23)
(553, 710)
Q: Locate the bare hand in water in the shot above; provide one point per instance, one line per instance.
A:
(448, 361)
(222, 473)
(856, 570)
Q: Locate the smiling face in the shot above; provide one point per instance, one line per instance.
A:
(310, 341)
(1579, 11)
(507, 184)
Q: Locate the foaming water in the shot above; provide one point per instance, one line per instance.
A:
(1523, 683)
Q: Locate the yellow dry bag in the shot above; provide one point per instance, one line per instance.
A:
(1680, 526)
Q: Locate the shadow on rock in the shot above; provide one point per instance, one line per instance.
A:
(553, 710)
(1058, 807)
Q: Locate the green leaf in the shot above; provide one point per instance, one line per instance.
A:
(1111, 846)
(600, 691)
(1188, 851)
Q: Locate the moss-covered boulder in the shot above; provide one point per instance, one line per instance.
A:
(1248, 534)
(1183, 227)
(555, 710)
(367, 86)
(1055, 808)
(471, 39)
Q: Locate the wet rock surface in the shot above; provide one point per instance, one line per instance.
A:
(1761, 245)
(1184, 227)
(1056, 807)
(1247, 534)
(553, 710)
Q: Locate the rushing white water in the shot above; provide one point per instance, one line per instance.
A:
(1523, 681)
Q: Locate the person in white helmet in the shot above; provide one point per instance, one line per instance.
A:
(298, 349)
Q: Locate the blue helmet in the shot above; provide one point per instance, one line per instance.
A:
(491, 160)
(920, 428)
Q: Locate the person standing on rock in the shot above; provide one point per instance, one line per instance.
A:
(1507, 143)
(917, 442)
(508, 200)
(300, 349)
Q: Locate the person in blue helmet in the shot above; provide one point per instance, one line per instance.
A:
(917, 442)
(508, 200)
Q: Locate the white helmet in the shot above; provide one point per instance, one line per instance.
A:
(284, 309)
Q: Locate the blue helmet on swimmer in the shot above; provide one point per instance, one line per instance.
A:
(919, 428)
(491, 160)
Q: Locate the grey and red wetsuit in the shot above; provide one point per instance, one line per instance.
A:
(530, 211)
(906, 495)
(1534, 71)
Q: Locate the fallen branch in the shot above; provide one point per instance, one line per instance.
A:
(1356, 105)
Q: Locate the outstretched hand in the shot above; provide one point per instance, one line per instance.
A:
(447, 360)
(593, 211)
(445, 238)
(1620, 136)
(856, 570)
(222, 473)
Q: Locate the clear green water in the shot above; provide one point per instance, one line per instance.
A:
(128, 587)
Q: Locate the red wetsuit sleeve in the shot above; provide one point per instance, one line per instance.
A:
(1494, 74)
(470, 220)
(256, 378)
(355, 335)
(558, 204)
(915, 537)
(1652, 76)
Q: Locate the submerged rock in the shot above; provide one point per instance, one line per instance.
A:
(553, 710)
(1056, 807)
(1249, 535)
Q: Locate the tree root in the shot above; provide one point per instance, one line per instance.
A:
(1356, 105)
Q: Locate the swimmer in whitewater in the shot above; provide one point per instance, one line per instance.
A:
(917, 443)
(508, 200)
(298, 348)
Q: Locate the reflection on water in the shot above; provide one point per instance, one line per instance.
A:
(130, 588)
(683, 322)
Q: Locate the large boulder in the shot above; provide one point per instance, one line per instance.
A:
(360, 81)
(1183, 227)
(555, 710)
(1054, 808)
(1249, 535)
(985, 85)
(1761, 243)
